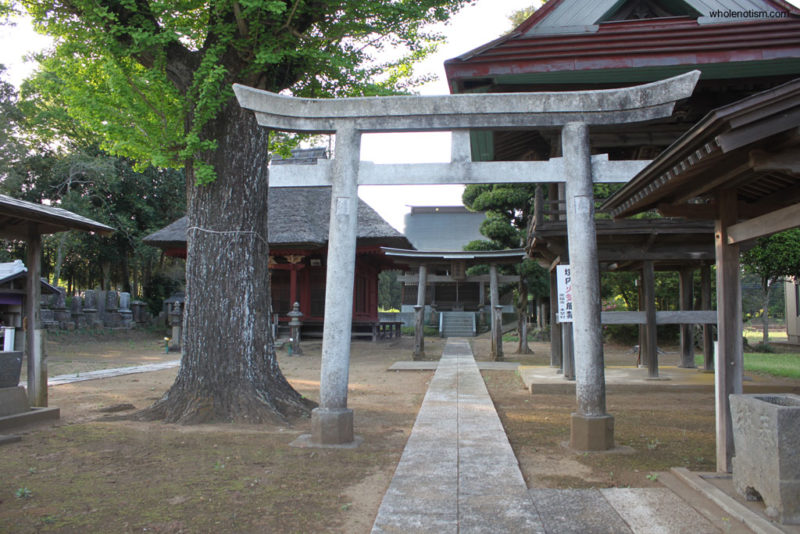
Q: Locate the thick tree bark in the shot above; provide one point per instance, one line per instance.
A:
(229, 370)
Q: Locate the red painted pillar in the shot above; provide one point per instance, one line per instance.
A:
(292, 285)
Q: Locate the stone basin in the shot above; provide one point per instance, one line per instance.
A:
(766, 463)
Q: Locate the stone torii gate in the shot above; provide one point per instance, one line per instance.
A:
(571, 112)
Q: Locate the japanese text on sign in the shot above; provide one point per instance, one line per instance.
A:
(564, 286)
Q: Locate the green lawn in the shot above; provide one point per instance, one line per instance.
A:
(785, 365)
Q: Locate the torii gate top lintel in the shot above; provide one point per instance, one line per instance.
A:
(475, 111)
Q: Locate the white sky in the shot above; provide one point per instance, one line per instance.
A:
(475, 25)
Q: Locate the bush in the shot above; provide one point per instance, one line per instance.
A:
(628, 334)
(624, 334)
(427, 331)
(762, 347)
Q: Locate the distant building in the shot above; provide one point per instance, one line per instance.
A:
(435, 231)
(299, 218)
(442, 228)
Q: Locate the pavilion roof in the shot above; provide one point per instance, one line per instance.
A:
(751, 146)
(16, 217)
(573, 42)
(298, 216)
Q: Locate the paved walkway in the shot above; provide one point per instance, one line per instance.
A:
(109, 373)
(458, 474)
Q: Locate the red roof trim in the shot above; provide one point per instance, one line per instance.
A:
(629, 46)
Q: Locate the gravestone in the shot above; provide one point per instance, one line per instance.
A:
(76, 312)
(61, 315)
(90, 311)
(111, 317)
(125, 312)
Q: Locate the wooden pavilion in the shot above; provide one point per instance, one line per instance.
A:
(298, 241)
(741, 48)
(740, 168)
(26, 221)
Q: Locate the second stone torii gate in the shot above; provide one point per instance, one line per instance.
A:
(571, 112)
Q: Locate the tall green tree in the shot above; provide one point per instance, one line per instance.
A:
(509, 208)
(772, 259)
(152, 78)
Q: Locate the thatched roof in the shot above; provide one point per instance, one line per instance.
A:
(298, 216)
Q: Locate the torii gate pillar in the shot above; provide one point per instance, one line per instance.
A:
(332, 421)
(592, 429)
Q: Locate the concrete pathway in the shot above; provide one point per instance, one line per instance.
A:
(458, 474)
(109, 373)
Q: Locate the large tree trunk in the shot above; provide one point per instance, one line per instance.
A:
(229, 370)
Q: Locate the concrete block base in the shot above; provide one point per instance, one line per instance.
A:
(591, 433)
(332, 426)
(15, 410)
(13, 400)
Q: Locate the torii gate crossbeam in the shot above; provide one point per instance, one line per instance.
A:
(571, 112)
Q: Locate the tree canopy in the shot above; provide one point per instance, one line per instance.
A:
(145, 77)
(772, 259)
(508, 210)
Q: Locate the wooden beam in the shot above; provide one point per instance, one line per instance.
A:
(729, 363)
(441, 278)
(765, 225)
(784, 161)
(34, 344)
(556, 359)
(687, 329)
(662, 317)
(689, 211)
(651, 343)
(708, 330)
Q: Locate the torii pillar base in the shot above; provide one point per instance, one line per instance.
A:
(332, 426)
(591, 433)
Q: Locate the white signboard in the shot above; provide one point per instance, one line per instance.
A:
(564, 286)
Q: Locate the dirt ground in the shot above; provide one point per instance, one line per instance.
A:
(92, 473)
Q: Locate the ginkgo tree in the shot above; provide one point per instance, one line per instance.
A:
(152, 79)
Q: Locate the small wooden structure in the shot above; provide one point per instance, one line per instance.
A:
(643, 245)
(738, 167)
(430, 264)
(298, 241)
(26, 221)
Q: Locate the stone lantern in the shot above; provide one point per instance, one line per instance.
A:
(294, 325)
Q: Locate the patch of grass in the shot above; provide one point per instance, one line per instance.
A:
(786, 365)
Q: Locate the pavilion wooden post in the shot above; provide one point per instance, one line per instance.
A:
(498, 342)
(556, 359)
(687, 330)
(332, 421)
(591, 427)
(651, 330)
(419, 314)
(642, 356)
(494, 302)
(708, 329)
(34, 342)
(729, 362)
(567, 351)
